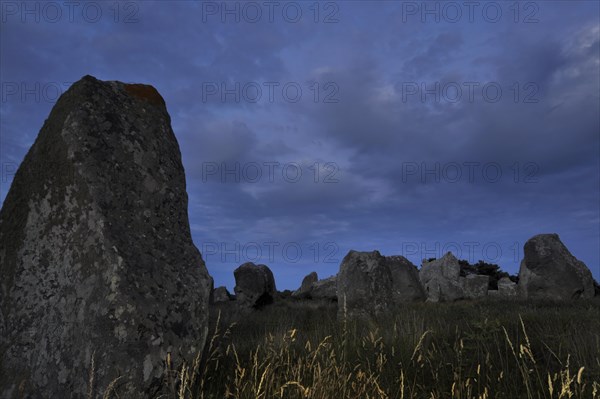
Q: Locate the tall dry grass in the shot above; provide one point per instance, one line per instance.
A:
(463, 350)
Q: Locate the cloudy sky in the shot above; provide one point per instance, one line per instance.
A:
(308, 129)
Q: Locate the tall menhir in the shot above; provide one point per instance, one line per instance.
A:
(97, 261)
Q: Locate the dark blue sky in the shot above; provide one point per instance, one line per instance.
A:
(307, 130)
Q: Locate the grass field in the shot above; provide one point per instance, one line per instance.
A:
(484, 349)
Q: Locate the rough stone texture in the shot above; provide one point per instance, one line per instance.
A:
(441, 279)
(507, 288)
(313, 288)
(406, 286)
(211, 291)
(220, 294)
(306, 286)
(475, 286)
(369, 283)
(2, 327)
(549, 271)
(254, 285)
(325, 289)
(97, 257)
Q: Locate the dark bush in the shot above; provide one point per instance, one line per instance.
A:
(485, 269)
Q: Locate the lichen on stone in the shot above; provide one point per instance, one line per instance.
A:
(145, 93)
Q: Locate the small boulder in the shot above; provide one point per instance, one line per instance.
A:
(475, 286)
(313, 288)
(550, 271)
(220, 294)
(306, 285)
(325, 289)
(254, 285)
(507, 288)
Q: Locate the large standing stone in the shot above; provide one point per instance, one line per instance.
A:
(306, 286)
(441, 279)
(369, 283)
(549, 271)
(254, 285)
(98, 265)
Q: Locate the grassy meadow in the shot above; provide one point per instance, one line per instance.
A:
(484, 349)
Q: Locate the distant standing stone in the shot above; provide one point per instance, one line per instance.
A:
(369, 283)
(475, 286)
(325, 289)
(254, 285)
(441, 279)
(507, 288)
(221, 294)
(549, 271)
(307, 284)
